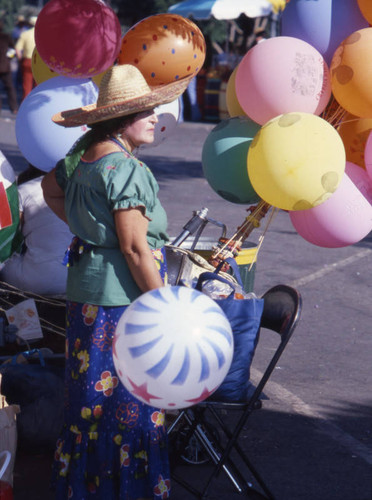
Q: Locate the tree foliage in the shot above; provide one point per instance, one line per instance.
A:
(11, 9)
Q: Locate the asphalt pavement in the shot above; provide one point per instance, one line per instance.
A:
(313, 437)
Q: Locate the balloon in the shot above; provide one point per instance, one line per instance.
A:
(368, 156)
(296, 161)
(165, 47)
(168, 116)
(78, 39)
(10, 235)
(223, 112)
(322, 23)
(224, 159)
(40, 71)
(172, 347)
(342, 220)
(354, 132)
(360, 178)
(366, 9)
(233, 106)
(351, 73)
(282, 75)
(41, 141)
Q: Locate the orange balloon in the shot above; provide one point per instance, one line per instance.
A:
(233, 106)
(351, 73)
(354, 132)
(365, 7)
(164, 47)
(40, 71)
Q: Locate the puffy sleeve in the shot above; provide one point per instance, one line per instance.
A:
(131, 184)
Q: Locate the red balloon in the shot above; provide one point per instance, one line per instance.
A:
(78, 38)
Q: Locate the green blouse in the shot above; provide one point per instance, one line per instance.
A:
(93, 192)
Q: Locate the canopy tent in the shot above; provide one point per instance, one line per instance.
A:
(221, 9)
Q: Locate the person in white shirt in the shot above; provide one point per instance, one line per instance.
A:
(39, 268)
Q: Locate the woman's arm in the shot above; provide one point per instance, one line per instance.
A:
(131, 227)
(54, 196)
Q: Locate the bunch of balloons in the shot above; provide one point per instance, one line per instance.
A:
(304, 99)
(77, 41)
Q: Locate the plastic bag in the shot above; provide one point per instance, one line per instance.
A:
(8, 434)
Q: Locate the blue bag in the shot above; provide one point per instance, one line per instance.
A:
(245, 318)
(38, 388)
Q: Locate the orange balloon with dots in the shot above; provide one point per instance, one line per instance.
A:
(351, 73)
(354, 132)
(365, 7)
(164, 47)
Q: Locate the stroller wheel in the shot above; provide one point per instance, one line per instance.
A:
(191, 450)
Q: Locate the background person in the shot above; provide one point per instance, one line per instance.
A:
(112, 445)
(24, 47)
(20, 26)
(6, 48)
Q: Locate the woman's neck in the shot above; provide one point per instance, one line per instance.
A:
(126, 143)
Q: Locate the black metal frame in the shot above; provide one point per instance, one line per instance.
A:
(282, 309)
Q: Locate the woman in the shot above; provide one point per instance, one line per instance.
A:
(112, 446)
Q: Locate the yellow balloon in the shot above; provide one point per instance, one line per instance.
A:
(223, 113)
(278, 5)
(354, 132)
(233, 106)
(98, 78)
(40, 71)
(296, 161)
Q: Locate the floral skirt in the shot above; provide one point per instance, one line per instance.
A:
(113, 447)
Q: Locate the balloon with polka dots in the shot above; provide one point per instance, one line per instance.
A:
(164, 47)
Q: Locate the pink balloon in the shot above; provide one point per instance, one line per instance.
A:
(360, 178)
(281, 75)
(78, 39)
(344, 219)
(368, 155)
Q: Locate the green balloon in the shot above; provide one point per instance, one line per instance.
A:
(224, 159)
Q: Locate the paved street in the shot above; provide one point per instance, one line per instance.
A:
(313, 437)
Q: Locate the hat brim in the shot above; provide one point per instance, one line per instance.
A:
(91, 113)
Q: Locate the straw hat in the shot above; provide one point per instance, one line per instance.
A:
(123, 91)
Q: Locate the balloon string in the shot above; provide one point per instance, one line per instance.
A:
(261, 238)
(14, 291)
(334, 114)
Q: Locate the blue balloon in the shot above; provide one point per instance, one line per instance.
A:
(322, 23)
(40, 140)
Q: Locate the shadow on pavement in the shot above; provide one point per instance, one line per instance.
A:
(287, 449)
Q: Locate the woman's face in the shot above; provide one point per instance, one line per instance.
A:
(141, 130)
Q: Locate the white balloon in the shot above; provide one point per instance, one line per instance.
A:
(168, 116)
(173, 347)
(41, 141)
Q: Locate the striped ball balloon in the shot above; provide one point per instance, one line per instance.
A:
(173, 347)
